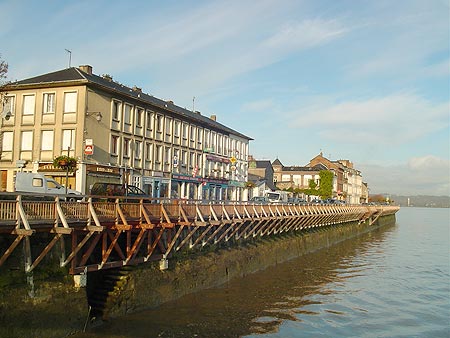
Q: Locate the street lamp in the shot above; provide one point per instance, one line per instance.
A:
(98, 116)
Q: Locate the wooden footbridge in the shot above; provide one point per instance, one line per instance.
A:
(93, 235)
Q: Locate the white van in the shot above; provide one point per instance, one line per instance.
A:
(277, 196)
(40, 184)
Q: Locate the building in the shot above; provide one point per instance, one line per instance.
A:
(295, 177)
(260, 175)
(348, 185)
(118, 134)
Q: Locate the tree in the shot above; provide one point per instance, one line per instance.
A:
(326, 184)
(312, 188)
(3, 75)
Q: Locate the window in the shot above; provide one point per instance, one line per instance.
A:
(168, 126)
(219, 144)
(158, 157)
(9, 105)
(7, 141)
(127, 114)
(191, 160)
(28, 104)
(7, 144)
(185, 131)
(137, 150)
(47, 140)
(68, 139)
(37, 182)
(200, 138)
(167, 156)
(183, 158)
(199, 160)
(149, 121)
(126, 147)
(159, 153)
(207, 139)
(49, 103)
(139, 114)
(27, 141)
(70, 102)
(114, 145)
(176, 129)
(192, 132)
(116, 107)
(159, 123)
(148, 151)
(168, 136)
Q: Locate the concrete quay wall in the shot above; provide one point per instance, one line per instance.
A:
(58, 309)
(148, 287)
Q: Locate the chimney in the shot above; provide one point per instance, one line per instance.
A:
(107, 77)
(213, 117)
(86, 68)
(137, 89)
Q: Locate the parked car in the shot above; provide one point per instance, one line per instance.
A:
(116, 189)
(259, 200)
(37, 183)
(297, 201)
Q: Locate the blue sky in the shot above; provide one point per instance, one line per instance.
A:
(366, 81)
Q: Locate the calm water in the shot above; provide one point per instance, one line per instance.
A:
(393, 282)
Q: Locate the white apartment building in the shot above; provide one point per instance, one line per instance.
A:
(118, 134)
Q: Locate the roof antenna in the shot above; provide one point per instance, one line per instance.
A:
(70, 56)
(193, 104)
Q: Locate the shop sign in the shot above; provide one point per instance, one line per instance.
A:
(236, 184)
(89, 149)
(102, 169)
(217, 159)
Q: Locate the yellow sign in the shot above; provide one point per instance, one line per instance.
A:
(233, 160)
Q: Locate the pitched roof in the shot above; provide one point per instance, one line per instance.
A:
(263, 164)
(277, 162)
(77, 75)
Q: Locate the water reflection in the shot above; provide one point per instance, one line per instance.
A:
(258, 304)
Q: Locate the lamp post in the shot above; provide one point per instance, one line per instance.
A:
(67, 170)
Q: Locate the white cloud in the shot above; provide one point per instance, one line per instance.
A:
(259, 106)
(397, 118)
(304, 34)
(427, 175)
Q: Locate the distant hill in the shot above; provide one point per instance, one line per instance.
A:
(422, 201)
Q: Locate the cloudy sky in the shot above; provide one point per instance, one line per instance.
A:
(366, 81)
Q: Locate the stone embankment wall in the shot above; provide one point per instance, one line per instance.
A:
(148, 287)
(58, 309)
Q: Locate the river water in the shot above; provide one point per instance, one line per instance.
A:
(392, 282)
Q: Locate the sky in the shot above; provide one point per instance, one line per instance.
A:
(366, 81)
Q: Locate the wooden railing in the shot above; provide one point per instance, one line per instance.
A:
(123, 231)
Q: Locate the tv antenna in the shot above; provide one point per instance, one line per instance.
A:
(193, 104)
(70, 57)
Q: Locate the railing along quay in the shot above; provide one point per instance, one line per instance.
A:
(107, 234)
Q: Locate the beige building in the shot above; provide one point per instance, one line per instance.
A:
(118, 134)
(295, 177)
(348, 185)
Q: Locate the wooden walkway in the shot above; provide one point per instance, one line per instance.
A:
(101, 235)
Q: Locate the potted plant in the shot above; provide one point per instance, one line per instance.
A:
(65, 162)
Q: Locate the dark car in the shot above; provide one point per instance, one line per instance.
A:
(116, 189)
(259, 200)
(296, 201)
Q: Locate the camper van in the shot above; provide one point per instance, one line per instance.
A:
(277, 196)
(40, 184)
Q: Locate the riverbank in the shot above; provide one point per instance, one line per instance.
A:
(59, 309)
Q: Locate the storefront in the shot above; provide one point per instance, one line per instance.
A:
(157, 185)
(185, 186)
(102, 174)
(59, 175)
